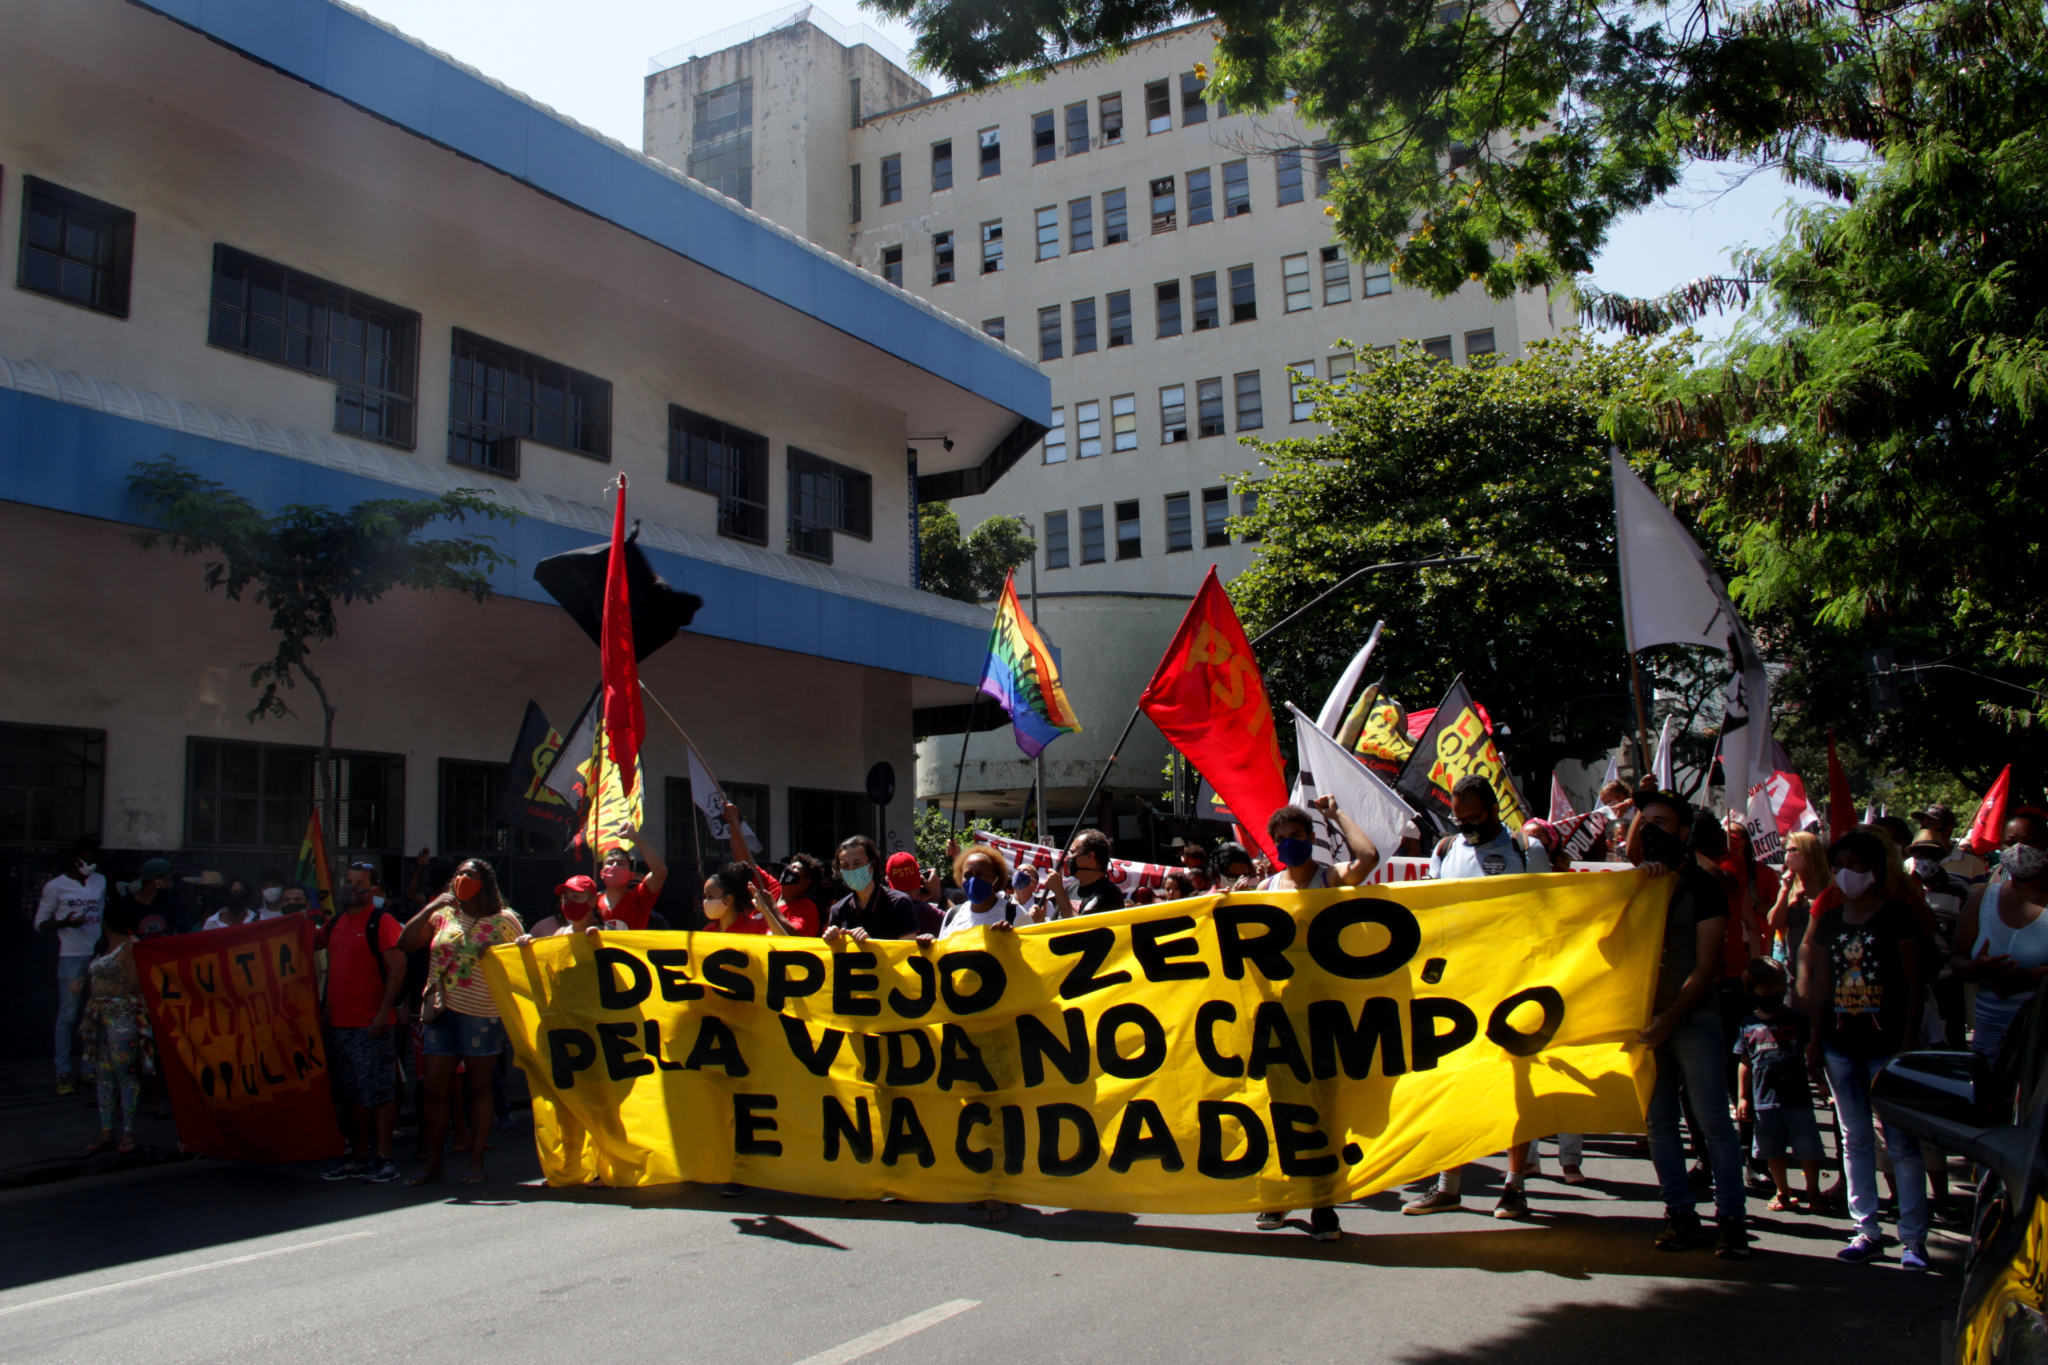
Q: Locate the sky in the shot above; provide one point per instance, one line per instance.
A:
(589, 61)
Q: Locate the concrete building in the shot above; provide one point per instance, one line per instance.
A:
(317, 262)
(1165, 260)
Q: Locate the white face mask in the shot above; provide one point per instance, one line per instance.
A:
(87, 869)
(1854, 884)
(1926, 869)
(271, 894)
(2024, 861)
(377, 901)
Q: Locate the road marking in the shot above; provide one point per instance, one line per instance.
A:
(216, 1265)
(895, 1331)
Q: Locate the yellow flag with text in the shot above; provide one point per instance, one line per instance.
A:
(1240, 1052)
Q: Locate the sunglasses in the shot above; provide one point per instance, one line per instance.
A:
(793, 873)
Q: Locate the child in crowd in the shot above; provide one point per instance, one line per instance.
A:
(1772, 1086)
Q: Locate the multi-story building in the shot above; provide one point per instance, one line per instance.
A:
(1165, 260)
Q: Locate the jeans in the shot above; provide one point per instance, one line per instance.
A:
(1691, 1057)
(1849, 1078)
(71, 990)
(464, 1035)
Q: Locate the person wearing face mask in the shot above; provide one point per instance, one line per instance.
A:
(578, 914)
(458, 927)
(1093, 893)
(793, 905)
(2006, 932)
(983, 873)
(728, 897)
(1792, 911)
(1233, 868)
(625, 900)
(71, 907)
(365, 973)
(871, 907)
(1861, 969)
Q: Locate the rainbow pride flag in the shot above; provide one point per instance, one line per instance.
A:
(1021, 675)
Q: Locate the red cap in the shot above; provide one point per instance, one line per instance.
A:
(576, 884)
(902, 872)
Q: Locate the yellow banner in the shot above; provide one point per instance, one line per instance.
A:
(1240, 1052)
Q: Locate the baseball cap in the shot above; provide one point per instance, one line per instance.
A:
(577, 883)
(902, 872)
(154, 868)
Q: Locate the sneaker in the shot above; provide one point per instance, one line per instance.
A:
(1327, 1235)
(1681, 1231)
(1859, 1250)
(732, 1189)
(347, 1170)
(1913, 1256)
(1574, 1175)
(1513, 1203)
(1436, 1201)
(1272, 1220)
(1731, 1242)
(381, 1170)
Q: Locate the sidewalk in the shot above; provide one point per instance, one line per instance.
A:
(43, 1135)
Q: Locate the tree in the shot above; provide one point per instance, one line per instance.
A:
(1507, 461)
(968, 568)
(305, 561)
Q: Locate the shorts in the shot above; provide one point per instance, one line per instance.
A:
(464, 1035)
(361, 1067)
(1777, 1129)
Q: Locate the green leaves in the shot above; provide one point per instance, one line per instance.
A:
(969, 568)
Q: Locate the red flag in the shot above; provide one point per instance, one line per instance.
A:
(1987, 831)
(1209, 701)
(624, 724)
(1841, 809)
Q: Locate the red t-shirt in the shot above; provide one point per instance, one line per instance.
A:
(634, 905)
(802, 913)
(355, 981)
(1735, 946)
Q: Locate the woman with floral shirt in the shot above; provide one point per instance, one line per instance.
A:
(457, 928)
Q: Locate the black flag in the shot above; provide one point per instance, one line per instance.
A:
(575, 578)
(525, 802)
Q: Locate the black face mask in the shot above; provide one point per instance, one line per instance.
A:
(1661, 846)
(1474, 831)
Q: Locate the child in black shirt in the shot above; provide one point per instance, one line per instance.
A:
(1772, 1084)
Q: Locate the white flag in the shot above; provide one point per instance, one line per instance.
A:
(710, 798)
(1560, 800)
(1766, 844)
(1661, 768)
(1670, 594)
(1332, 714)
(1327, 770)
(563, 779)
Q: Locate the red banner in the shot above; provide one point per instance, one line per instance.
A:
(237, 1019)
(1209, 700)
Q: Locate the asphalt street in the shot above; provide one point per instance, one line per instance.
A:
(217, 1262)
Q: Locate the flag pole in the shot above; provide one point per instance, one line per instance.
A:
(1628, 631)
(696, 850)
(1103, 777)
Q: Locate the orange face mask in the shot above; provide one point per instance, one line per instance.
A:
(467, 887)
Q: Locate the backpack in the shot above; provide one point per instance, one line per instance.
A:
(371, 931)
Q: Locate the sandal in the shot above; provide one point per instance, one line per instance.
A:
(423, 1178)
(1780, 1204)
(127, 1147)
(472, 1177)
(103, 1145)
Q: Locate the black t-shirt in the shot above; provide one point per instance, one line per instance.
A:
(1865, 1014)
(152, 920)
(1775, 1049)
(1696, 898)
(888, 914)
(1098, 899)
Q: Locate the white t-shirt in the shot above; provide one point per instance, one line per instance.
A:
(1000, 911)
(214, 920)
(1498, 856)
(64, 896)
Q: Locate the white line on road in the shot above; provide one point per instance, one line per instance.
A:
(895, 1331)
(216, 1265)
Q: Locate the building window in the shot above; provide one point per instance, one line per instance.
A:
(366, 347)
(499, 396)
(992, 247)
(942, 263)
(826, 496)
(1438, 348)
(1080, 226)
(942, 165)
(1209, 407)
(1340, 365)
(892, 265)
(1478, 343)
(1193, 109)
(1237, 189)
(1056, 436)
(1048, 233)
(1294, 290)
(1120, 318)
(1158, 108)
(1215, 518)
(1112, 119)
(1328, 159)
(51, 783)
(1378, 280)
(1180, 527)
(1123, 422)
(892, 179)
(1162, 205)
(1167, 301)
(1091, 535)
(1301, 408)
(1244, 295)
(1056, 540)
(853, 193)
(1248, 506)
(1044, 146)
(853, 103)
(1088, 429)
(1084, 326)
(1201, 208)
(1288, 174)
(1077, 128)
(261, 795)
(1116, 219)
(991, 140)
(1129, 544)
(725, 461)
(722, 141)
(75, 248)
(468, 819)
(1251, 408)
(822, 819)
(993, 326)
(1173, 414)
(1205, 302)
(1336, 276)
(1049, 346)
(688, 838)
